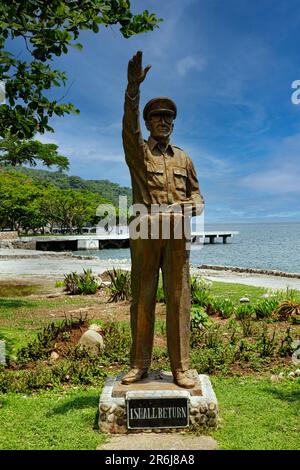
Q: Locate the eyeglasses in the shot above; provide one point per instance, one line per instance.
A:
(168, 118)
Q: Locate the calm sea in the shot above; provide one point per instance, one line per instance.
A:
(264, 245)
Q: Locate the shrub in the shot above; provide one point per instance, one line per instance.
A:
(199, 283)
(199, 317)
(232, 328)
(266, 343)
(247, 325)
(119, 285)
(287, 309)
(83, 371)
(265, 308)
(244, 311)
(212, 337)
(42, 346)
(287, 347)
(207, 360)
(202, 298)
(85, 283)
(117, 339)
(244, 351)
(222, 307)
(200, 291)
(79, 366)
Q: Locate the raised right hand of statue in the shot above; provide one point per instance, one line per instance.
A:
(136, 74)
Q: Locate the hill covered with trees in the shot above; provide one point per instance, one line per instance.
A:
(104, 188)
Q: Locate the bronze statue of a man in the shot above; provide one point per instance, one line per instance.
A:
(162, 174)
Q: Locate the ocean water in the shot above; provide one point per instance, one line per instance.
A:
(264, 245)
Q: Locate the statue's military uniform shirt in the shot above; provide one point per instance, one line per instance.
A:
(159, 176)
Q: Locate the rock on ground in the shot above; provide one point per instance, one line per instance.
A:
(92, 341)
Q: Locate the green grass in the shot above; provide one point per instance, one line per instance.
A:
(22, 320)
(11, 306)
(50, 420)
(235, 291)
(258, 414)
(8, 290)
(16, 338)
(255, 414)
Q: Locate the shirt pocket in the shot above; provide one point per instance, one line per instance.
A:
(180, 176)
(155, 175)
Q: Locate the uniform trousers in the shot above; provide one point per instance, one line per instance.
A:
(148, 257)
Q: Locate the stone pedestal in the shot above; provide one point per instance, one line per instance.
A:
(202, 402)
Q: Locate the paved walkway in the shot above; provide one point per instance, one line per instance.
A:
(160, 441)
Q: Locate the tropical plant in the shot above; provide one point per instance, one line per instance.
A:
(27, 204)
(119, 287)
(199, 318)
(243, 311)
(199, 283)
(265, 308)
(287, 309)
(222, 307)
(201, 297)
(78, 284)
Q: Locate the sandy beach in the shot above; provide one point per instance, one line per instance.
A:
(27, 264)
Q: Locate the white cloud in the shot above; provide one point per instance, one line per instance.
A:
(276, 181)
(87, 144)
(189, 62)
(209, 165)
(284, 215)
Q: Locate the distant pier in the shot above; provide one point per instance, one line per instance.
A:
(197, 237)
(96, 241)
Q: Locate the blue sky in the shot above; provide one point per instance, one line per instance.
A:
(229, 66)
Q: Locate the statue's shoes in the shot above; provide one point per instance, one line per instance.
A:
(134, 375)
(181, 379)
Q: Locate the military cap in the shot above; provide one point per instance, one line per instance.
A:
(160, 105)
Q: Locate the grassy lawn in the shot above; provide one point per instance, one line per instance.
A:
(258, 414)
(50, 420)
(235, 292)
(255, 414)
(14, 307)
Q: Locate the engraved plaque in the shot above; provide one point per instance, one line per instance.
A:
(157, 413)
